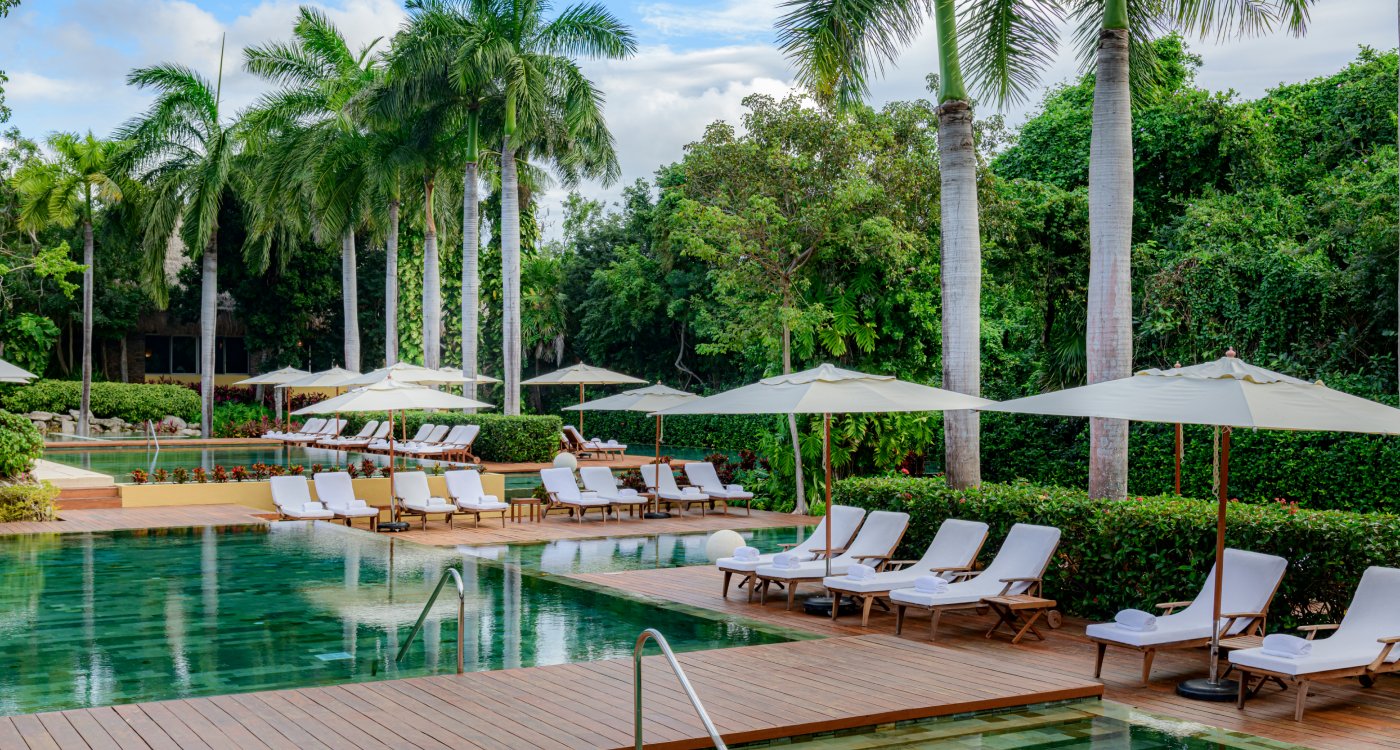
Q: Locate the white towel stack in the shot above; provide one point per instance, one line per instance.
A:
(859, 572)
(1286, 646)
(786, 560)
(930, 585)
(312, 506)
(1136, 620)
(734, 487)
(746, 554)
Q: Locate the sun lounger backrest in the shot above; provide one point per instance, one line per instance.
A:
(1375, 607)
(598, 479)
(574, 436)
(1250, 581)
(703, 475)
(313, 426)
(955, 545)
(290, 492)
(1025, 553)
(878, 536)
(334, 488)
(846, 520)
(454, 434)
(469, 434)
(423, 432)
(368, 429)
(464, 484)
(333, 428)
(411, 486)
(383, 431)
(436, 435)
(667, 478)
(560, 483)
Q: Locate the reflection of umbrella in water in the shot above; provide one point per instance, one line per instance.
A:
(1225, 393)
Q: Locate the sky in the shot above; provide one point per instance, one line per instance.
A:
(67, 61)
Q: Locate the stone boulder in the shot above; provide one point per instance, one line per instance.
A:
(40, 416)
(176, 422)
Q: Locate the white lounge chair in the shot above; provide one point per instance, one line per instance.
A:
(702, 474)
(1361, 646)
(456, 446)
(311, 426)
(600, 480)
(846, 520)
(416, 499)
(1251, 579)
(575, 443)
(876, 542)
(436, 440)
(465, 490)
(670, 494)
(292, 496)
(382, 444)
(373, 430)
(337, 492)
(1017, 569)
(331, 429)
(953, 550)
(564, 493)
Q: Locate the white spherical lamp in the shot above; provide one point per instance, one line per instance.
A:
(722, 544)
(566, 461)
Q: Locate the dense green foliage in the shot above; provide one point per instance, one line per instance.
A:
(524, 438)
(28, 502)
(20, 445)
(723, 432)
(133, 402)
(1119, 554)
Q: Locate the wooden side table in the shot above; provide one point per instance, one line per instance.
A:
(1019, 613)
(522, 507)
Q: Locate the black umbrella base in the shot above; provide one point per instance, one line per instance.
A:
(1204, 690)
(655, 514)
(821, 605)
(394, 526)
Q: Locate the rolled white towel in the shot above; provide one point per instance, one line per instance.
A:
(734, 487)
(598, 440)
(930, 585)
(626, 492)
(692, 491)
(786, 560)
(746, 554)
(1286, 646)
(1136, 620)
(859, 572)
(311, 507)
(613, 444)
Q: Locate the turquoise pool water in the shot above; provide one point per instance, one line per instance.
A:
(611, 554)
(116, 617)
(119, 462)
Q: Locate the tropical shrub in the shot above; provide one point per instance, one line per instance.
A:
(1136, 552)
(723, 432)
(28, 502)
(513, 439)
(133, 402)
(20, 445)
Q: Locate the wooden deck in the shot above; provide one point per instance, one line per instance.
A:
(1340, 714)
(559, 526)
(113, 519)
(786, 688)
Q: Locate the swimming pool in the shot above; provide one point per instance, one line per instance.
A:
(613, 554)
(119, 462)
(93, 619)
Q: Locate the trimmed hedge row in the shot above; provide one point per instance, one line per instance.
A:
(1137, 552)
(20, 445)
(518, 439)
(133, 402)
(718, 432)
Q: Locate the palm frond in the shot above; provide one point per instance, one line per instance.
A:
(1007, 44)
(837, 45)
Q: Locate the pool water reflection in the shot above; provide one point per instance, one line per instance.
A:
(611, 554)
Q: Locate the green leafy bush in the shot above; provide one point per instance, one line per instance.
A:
(725, 432)
(1136, 552)
(133, 402)
(28, 502)
(524, 438)
(20, 445)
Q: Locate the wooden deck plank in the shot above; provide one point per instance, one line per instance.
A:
(62, 731)
(91, 731)
(117, 728)
(33, 734)
(118, 519)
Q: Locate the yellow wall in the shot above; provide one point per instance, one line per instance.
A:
(259, 494)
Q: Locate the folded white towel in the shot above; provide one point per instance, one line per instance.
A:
(612, 444)
(626, 492)
(692, 491)
(859, 572)
(734, 487)
(1286, 646)
(598, 440)
(747, 554)
(1136, 620)
(312, 506)
(786, 560)
(930, 585)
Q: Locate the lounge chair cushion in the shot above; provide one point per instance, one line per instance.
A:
(1024, 554)
(954, 546)
(879, 536)
(846, 520)
(430, 505)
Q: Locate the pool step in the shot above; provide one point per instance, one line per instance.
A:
(89, 498)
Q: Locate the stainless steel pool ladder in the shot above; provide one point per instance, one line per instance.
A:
(461, 616)
(654, 634)
(151, 437)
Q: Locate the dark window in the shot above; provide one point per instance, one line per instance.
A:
(230, 356)
(184, 354)
(158, 355)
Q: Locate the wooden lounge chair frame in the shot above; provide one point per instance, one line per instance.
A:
(867, 599)
(1366, 674)
(792, 583)
(936, 611)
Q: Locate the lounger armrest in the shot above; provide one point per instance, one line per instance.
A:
(1241, 615)
(1389, 639)
(1033, 589)
(1172, 606)
(1387, 644)
(962, 569)
(1313, 630)
(836, 551)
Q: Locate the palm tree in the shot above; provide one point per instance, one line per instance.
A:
(184, 152)
(837, 44)
(66, 191)
(547, 102)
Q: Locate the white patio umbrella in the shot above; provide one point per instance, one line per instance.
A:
(12, 374)
(582, 375)
(390, 396)
(1225, 393)
(650, 399)
(276, 378)
(828, 390)
(406, 372)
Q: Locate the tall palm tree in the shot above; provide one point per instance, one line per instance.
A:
(837, 44)
(64, 191)
(546, 100)
(184, 151)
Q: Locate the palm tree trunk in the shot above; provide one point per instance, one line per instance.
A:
(350, 296)
(800, 506)
(86, 404)
(391, 287)
(510, 278)
(432, 285)
(208, 319)
(471, 281)
(1110, 327)
(961, 273)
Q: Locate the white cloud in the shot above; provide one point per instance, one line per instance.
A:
(26, 87)
(734, 18)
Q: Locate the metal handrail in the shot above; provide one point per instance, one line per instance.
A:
(654, 634)
(154, 438)
(461, 616)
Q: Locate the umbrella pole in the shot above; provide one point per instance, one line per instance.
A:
(580, 411)
(1177, 453)
(1214, 688)
(826, 459)
(656, 497)
(394, 523)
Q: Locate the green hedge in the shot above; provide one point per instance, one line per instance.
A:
(1137, 552)
(20, 445)
(28, 502)
(718, 432)
(524, 438)
(133, 402)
